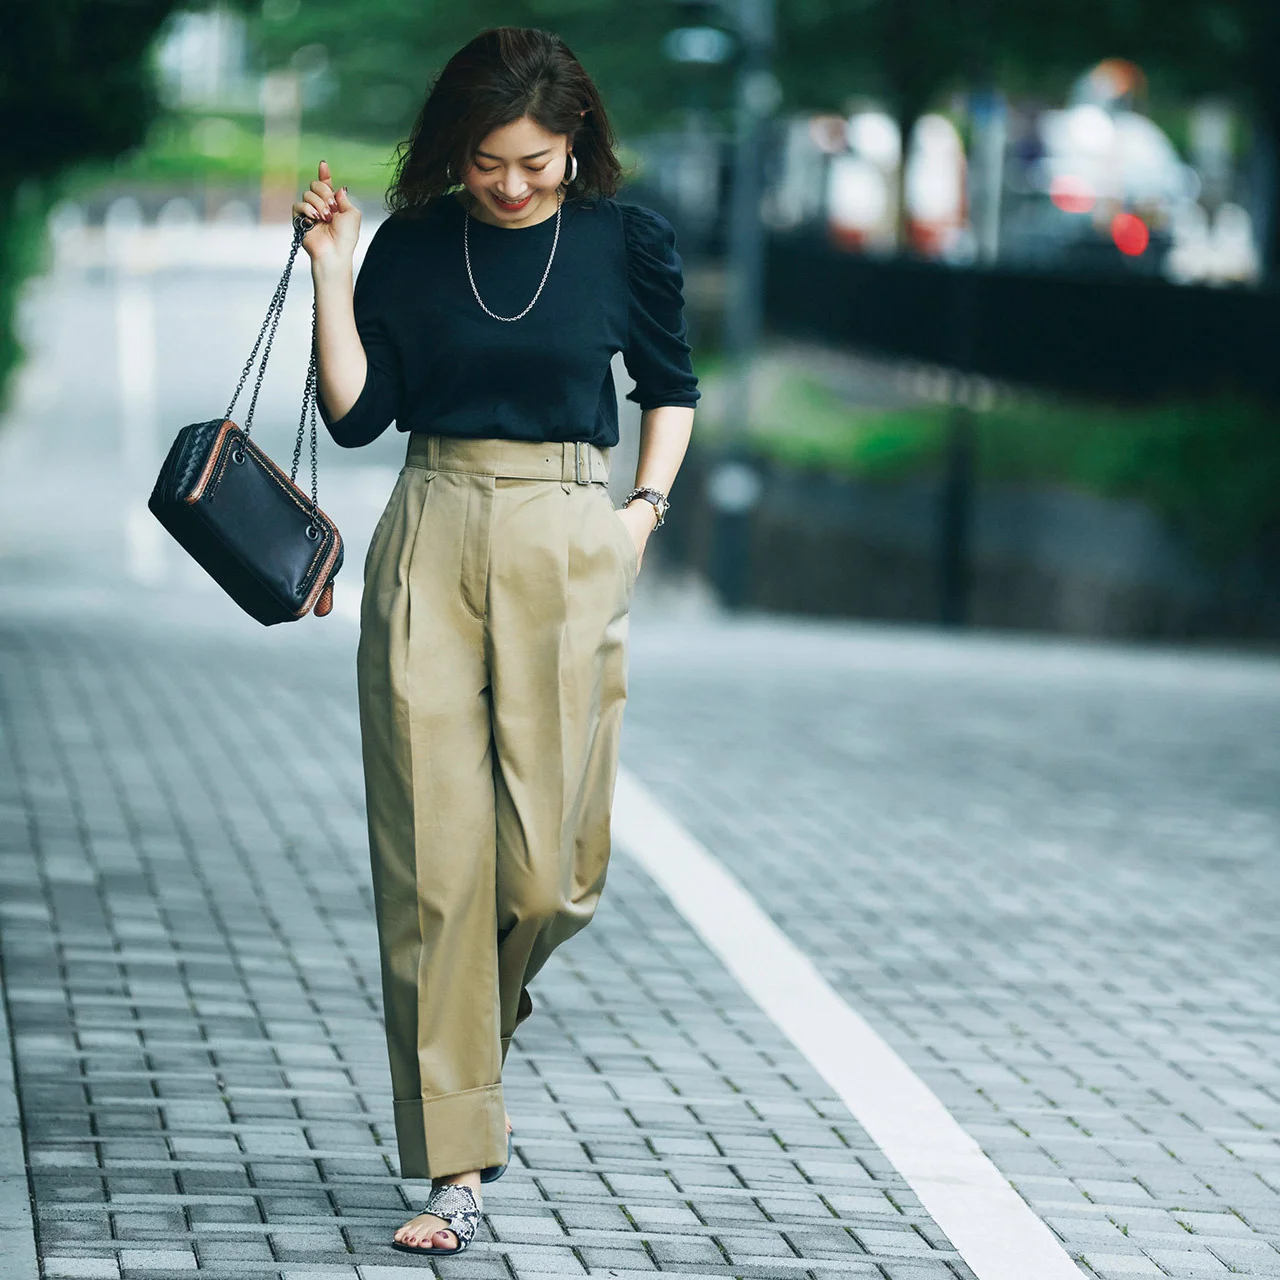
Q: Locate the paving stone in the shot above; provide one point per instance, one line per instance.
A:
(831, 1242)
(64, 1267)
(214, 1251)
(668, 1217)
(1256, 1256)
(1213, 1224)
(688, 1251)
(164, 1260)
(1121, 1264)
(1187, 1264)
(610, 1257)
(594, 1217)
(530, 1260)
(917, 1271)
(848, 1268)
(330, 1273)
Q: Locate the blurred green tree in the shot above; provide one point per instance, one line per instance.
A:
(75, 85)
(371, 66)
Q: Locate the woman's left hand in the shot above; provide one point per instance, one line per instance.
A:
(638, 518)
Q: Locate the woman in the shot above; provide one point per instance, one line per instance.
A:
(492, 658)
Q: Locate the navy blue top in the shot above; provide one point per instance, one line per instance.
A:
(438, 364)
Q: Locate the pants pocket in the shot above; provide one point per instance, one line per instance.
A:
(622, 538)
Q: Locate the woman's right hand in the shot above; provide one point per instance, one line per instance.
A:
(336, 229)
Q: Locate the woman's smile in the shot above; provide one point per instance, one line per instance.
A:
(512, 206)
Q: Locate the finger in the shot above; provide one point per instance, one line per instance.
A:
(322, 189)
(343, 198)
(323, 172)
(320, 206)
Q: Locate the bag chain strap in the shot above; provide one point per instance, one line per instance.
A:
(275, 309)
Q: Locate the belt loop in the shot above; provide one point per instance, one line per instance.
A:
(577, 464)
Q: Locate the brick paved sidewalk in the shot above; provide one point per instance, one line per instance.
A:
(1048, 873)
(190, 969)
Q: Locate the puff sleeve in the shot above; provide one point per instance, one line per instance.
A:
(656, 354)
(379, 400)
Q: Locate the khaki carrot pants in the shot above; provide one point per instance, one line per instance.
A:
(492, 677)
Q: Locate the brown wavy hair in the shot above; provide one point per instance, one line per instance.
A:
(502, 75)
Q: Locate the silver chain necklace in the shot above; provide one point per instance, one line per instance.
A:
(466, 253)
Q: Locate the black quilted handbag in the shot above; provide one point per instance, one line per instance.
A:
(257, 534)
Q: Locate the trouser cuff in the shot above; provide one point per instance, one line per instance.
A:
(451, 1133)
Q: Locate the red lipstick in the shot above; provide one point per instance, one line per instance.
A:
(508, 206)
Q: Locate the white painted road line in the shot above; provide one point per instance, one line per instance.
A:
(991, 1226)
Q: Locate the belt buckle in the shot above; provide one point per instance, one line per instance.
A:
(577, 462)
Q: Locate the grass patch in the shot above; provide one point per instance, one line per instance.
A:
(191, 148)
(1209, 468)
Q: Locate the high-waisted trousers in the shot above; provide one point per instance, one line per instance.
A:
(492, 678)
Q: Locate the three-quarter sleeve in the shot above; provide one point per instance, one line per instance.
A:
(656, 354)
(379, 399)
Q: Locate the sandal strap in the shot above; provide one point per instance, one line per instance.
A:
(456, 1203)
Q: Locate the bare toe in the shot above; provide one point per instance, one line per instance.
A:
(417, 1230)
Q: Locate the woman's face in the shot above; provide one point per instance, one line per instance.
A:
(515, 172)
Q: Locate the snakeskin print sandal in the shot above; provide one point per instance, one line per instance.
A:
(492, 1172)
(456, 1203)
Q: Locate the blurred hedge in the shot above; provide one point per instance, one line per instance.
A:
(1209, 468)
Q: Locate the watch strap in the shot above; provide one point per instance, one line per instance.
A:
(654, 496)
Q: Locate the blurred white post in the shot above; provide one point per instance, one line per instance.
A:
(127, 251)
(281, 143)
(986, 171)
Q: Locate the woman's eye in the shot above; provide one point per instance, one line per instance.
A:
(533, 170)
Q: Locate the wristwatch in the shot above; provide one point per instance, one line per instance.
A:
(659, 500)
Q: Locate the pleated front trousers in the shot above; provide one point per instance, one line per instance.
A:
(492, 678)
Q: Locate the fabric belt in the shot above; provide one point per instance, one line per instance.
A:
(573, 461)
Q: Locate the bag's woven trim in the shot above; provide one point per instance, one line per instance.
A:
(215, 455)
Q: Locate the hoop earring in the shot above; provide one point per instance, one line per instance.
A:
(572, 176)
